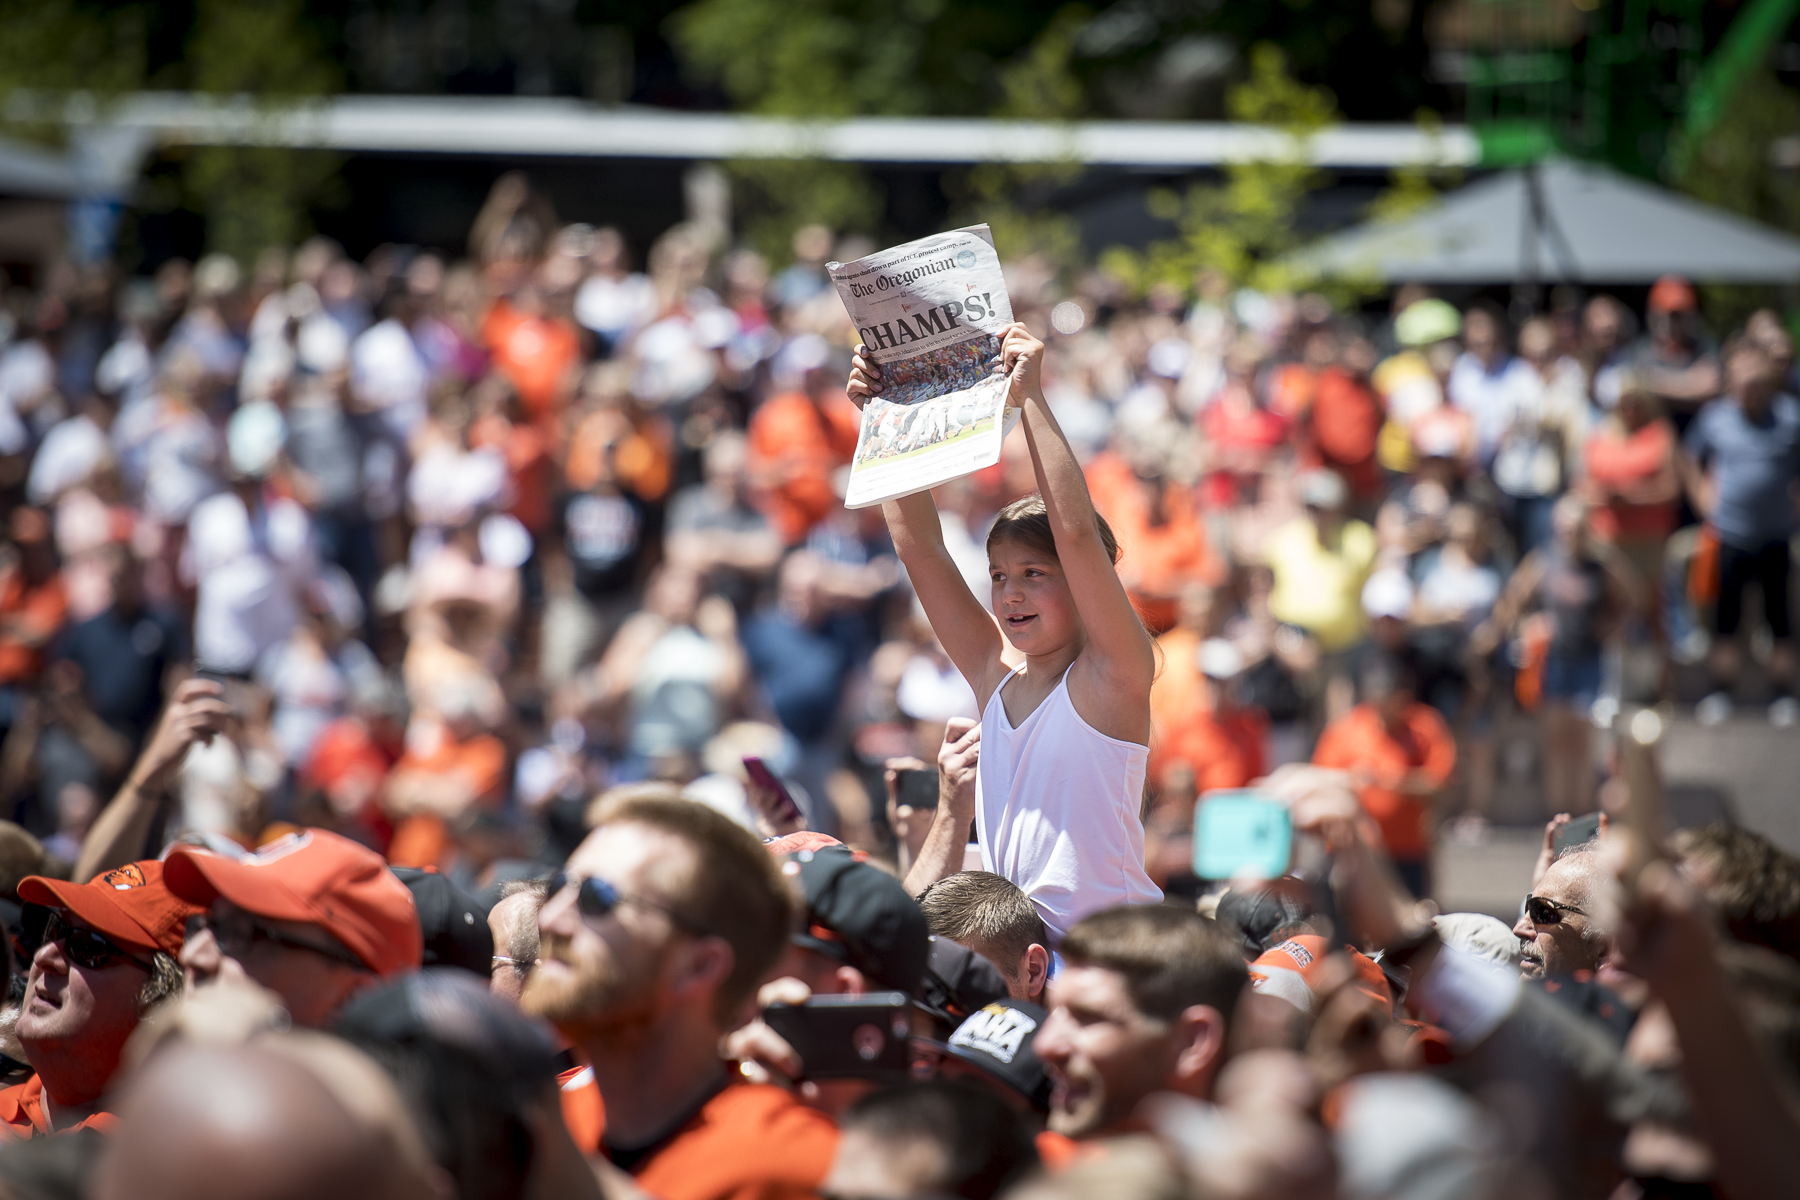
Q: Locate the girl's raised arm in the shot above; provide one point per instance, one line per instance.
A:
(961, 622)
(1116, 638)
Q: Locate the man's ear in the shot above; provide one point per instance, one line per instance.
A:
(1199, 1034)
(1034, 971)
(706, 963)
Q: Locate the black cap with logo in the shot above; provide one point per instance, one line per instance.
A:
(998, 1040)
(861, 916)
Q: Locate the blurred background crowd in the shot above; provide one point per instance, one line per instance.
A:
(471, 540)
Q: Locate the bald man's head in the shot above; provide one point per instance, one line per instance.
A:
(246, 1123)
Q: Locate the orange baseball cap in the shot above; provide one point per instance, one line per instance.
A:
(317, 877)
(1290, 970)
(1672, 293)
(131, 904)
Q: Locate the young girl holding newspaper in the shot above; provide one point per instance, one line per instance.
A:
(1064, 737)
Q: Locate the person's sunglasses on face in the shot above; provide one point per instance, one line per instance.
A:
(86, 948)
(596, 898)
(1548, 912)
(238, 932)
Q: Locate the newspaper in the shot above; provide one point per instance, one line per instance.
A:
(930, 312)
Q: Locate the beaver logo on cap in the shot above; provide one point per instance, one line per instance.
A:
(125, 878)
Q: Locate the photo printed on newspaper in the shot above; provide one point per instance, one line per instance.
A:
(930, 313)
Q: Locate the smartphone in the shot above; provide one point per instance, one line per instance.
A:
(786, 809)
(232, 687)
(1578, 831)
(916, 788)
(1242, 834)
(847, 1037)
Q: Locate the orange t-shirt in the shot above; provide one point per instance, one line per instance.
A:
(534, 353)
(22, 1113)
(528, 466)
(1346, 421)
(1225, 750)
(642, 461)
(1634, 462)
(41, 610)
(1358, 740)
(795, 447)
(1161, 559)
(751, 1141)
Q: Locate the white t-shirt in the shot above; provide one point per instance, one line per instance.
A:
(1056, 809)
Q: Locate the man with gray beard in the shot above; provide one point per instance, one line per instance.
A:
(651, 945)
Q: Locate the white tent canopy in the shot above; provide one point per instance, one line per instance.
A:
(1562, 222)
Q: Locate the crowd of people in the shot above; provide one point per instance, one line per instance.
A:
(457, 742)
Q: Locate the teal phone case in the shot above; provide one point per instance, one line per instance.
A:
(1241, 834)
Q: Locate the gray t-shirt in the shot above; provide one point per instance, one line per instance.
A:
(1754, 465)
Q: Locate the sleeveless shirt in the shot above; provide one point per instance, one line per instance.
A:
(1057, 807)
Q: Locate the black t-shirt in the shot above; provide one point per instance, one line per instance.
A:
(123, 660)
(604, 537)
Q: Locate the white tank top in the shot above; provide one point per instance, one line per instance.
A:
(1056, 808)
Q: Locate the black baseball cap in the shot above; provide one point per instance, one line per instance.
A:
(861, 916)
(998, 1038)
(442, 1009)
(454, 923)
(1254, 914)
(957, 982)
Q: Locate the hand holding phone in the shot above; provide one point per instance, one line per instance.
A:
(771, 800)
(847, 1037)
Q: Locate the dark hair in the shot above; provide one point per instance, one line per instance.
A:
(985, 1143)
(1753, 883)
(1027, 521)
(986, 912)
(736, 893)
(1170, 958)
(469, 1066)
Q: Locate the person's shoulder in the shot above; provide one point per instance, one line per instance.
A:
(748, 1105)
(1427, 720)
(17, 1104)
(748, 1139)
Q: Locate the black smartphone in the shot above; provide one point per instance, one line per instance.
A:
(785, 808)
(916, 788)
(1578, 831)
(847, 1037)
(232, 687)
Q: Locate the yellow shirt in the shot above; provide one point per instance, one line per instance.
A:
(1317, 589)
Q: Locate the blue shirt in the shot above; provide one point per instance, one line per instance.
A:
(1754, 465)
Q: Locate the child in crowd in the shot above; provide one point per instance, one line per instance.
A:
(1064, 736)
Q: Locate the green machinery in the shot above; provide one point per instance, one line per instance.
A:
(1626, 82)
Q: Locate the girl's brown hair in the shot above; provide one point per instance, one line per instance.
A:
(1027, 521)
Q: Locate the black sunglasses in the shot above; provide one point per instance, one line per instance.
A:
(84, 947)
(1548, 912)
(595, 898)
(239, 931)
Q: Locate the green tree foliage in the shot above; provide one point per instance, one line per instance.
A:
(258, 196)
(1038, 85)
(843, 58)
(252, 197)
(1731, 168)
(1243, 229)
(840, 58)
(64, 45)
(776, 196)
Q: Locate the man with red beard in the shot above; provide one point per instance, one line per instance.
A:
(652, 943)
(1140, 1006)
